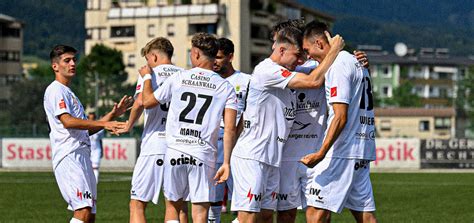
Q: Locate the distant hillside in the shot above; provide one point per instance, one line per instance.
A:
(48, 22)
(423, 23)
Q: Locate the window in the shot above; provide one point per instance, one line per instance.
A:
(131, 60)
(151, 30)
(386, 91)
(386, 71)
(89, 34)
(122, 31)
(442, 123)
(9, 56)
(259, 32)
(189, 63)
(205, 28)
(9, 32)
(385, 125)
(424, 126)
(170, 29)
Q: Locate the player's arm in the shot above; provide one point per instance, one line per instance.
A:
(148, 100)
(316, 78)
(71, 122)
(230, 137)
(135, 113)
(240, 126)
(335, 128)
(116, 111)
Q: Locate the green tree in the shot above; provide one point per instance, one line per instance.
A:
(465, 96)
(404, 97)
(107, 66)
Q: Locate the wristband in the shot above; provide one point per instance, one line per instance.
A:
(147, 77)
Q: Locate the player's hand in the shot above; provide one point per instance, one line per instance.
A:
(144, 70)
(361, 56)
(126, 129)
(114, 127)
(222, 174)
(312, 159)
(125, 103)
(336, 41)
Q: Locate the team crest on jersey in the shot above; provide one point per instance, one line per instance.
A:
(285, 73)
(333, 91)
(237, 88)
(62, 104)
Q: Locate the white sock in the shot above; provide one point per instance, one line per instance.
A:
(214, 214)
(75, 220)
(96, 173)
(236, 220)
(172, 221)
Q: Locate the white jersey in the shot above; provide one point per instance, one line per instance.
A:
(154, 136)
(96, 140)
(348, 82)
(240, 81)
(59, 99)
(307, 132)
(269, 114)
(197, 100)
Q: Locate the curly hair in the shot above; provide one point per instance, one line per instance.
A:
(207, 43)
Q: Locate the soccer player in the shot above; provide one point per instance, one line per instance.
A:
(341, 165)
(305, 136)
(96, 148)
(69, 135)
(268, 116)
(198, 97)
(223, 66)
(147, 177)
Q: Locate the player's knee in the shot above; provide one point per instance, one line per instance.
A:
(137, 205)
(286, 216)
(83, 214)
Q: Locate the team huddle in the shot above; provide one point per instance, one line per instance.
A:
(297, 132)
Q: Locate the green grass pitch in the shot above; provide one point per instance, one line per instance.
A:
(400, 197)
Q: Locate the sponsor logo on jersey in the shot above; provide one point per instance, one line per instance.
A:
(366, 120)
(333, 91)
(184, 160)
(159, 162)
(282, 140)
(62, 104)
(200, 81)
(139, 87)
(247, 124)
(303, 105)
(285, 73)
(303, 136)
(290, 112)
(361, 164)
(281, 197)
(257, 197)
(297, 125)
(365, 136)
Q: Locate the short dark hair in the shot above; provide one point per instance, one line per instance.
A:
(315, 29)
(161, 44)
(207, 43)
(59, 50)
(225, 45)
(290, 35)
(297, 23)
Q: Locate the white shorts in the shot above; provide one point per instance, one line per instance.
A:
(76, 180)
(293, 179)
(188, 178)
(220, 188)
(147, 178)
(337, 183)
(95, 158)
(255, 185)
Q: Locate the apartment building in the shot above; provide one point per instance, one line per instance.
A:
(11, 48)
(128, 25)
(433, 73)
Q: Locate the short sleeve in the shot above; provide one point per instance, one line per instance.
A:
(339, 84)
(139, 87)
(164, 92)
(231, 101)
(277, 76)
(61, 102)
